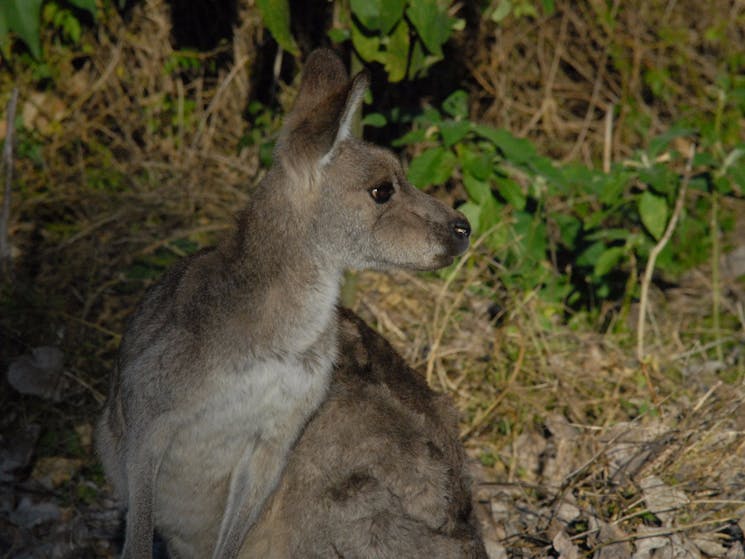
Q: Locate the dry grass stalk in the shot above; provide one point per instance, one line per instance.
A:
(5, 253)
(655, 252)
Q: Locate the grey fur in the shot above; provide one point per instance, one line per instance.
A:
(378, 473)
(231, 352)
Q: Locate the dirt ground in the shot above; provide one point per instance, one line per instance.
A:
(577, 448)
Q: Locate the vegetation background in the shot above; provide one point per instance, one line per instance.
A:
(592, 336)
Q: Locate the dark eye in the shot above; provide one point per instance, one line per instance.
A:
(382, 192)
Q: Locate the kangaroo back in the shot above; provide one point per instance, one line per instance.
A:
(378, 472)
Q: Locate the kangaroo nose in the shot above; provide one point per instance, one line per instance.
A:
(461, 228)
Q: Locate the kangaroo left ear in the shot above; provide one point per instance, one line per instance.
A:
(352, 106)
(322, 117)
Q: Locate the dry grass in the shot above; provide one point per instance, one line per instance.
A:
(577, 447)
(555, 79)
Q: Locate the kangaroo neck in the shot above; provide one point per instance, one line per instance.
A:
(287, 289)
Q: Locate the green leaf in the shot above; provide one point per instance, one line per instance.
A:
(569, 228)
(87, 5)
(276, 17)
(434, 166)
(378, 15)
(477, 190)
(431, 22)
(368, 12)
(653, 211)
(659, 177)
(474, 163)
(412, 137)
(532, 240)
(511, 192)
(22, 18)
(502, 10)
(367, 47)
(454, 131)
(608, 260)
(338, 35)
(418, 62)
(516, 150)
(456, 104)
(397, 52)
(658, 144)
(376, 120)
(391, 12)
(590, 255)
(609, 187)
(490, 215)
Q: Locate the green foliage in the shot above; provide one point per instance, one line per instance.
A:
(24, 19)
(21, 17)
(573, 232)
(276, 17)
(405, 36)
(519, 8)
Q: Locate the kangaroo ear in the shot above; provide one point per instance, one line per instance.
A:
(352, 105)
(323, 113)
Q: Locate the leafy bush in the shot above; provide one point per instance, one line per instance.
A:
(23, 19)
(576, 233)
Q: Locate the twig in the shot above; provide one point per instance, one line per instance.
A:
(715, 280)
(655, 252)
(237, 67)
(706, 396)
(8, 163)
(440, 323)
(608, 139)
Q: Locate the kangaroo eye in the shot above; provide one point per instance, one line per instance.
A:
(382, 192)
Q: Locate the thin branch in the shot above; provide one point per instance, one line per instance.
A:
(655, 252)
(8, 163)
(608, 139)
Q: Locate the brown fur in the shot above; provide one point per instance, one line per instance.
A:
(379, 472)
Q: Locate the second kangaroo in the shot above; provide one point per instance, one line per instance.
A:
(231, 352)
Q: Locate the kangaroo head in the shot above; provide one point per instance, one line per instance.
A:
(361, 210)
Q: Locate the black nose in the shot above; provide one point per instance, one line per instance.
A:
(461, 228)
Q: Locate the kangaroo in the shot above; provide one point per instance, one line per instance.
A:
(229, 355)
(379, 471)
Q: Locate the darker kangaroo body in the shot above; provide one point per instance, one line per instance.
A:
(379, 472)
(232, 352)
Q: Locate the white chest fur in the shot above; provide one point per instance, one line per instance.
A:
(269, 400)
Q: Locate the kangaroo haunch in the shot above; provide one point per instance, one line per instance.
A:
(229, 355)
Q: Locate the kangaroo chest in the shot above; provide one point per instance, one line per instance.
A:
(242, 404)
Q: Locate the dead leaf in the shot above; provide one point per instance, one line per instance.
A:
(709, 545)
(662, 500)
(646, 544)
(678, 546)
(564, 546)
(85, 434)
(736, 551)
(54, 471)
(38, 373)
(29, 514)
(561, 456)
(630, 446)
(609, 533)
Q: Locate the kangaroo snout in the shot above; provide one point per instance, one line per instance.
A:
(461, 231)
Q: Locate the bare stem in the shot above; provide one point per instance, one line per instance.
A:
(655, 252)
(8, 164)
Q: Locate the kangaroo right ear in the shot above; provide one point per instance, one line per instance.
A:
(322, 116)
